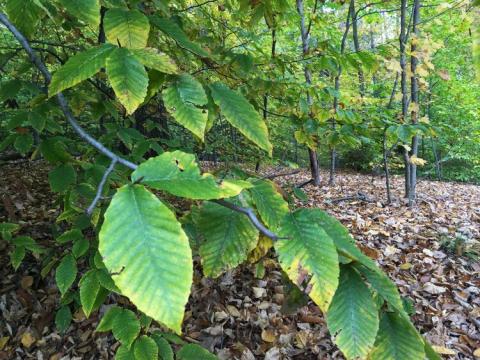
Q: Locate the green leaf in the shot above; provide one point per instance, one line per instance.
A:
(62, 177)
(70, 235)
(195, 352)
(383, 286)
(9, 227)
(80, 247)
(128, 77)
(308, 256)
(127, 28)
(24, 14)
(142, 242)
(106, 323)
(9, 89)
(66, 273)
(63, 318)
(352, 317)
(124, 353)
(79, 67)
(145, 348)
(397, 340)
(23, 143)
(106, 281)
(16, 256)
(178, 173)
(270, 204)
(300, 194)
(89, 291)
(170, 28)
(228, 238)
(155, 60)
(165, 351)
(85, 10)
(181, 99)
(125, 327)
(343, 240)
(242, 115)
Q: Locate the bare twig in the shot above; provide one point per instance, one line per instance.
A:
(100, 187)
(273, 176)
(359, 196)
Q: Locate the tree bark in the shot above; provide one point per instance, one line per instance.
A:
(314, 168)
(403, 85)
(415, 100)
(333, 152)
(356, 44)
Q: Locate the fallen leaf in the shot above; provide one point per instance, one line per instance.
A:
(268, 336)
(433, 289)
(27, 339)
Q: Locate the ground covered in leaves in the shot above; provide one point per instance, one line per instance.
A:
(431, 251)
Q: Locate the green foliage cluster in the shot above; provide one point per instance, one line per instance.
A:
(156, 82)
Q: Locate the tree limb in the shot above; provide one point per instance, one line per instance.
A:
(60, 97)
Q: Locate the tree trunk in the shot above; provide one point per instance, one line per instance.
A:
(403, 85)
(385, 167)
(314, 168)
(333, 152)
(415, 100)
(356, 44)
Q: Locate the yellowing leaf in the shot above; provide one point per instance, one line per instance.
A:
(144, 246)
(417, 161)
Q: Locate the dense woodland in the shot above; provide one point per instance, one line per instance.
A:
(159, 159)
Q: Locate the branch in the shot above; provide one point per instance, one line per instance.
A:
(99, 146)
(60, 97)
(251, 215)
(197, 5)
(273, 176)
(100, 187)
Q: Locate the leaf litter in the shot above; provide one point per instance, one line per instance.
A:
(431, 251)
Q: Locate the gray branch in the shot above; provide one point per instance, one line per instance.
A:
(100, 187)
(60, 97)
(251, 215)
(99, 146)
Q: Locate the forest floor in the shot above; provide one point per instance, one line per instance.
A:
(431, 251)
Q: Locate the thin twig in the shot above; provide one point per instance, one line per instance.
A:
(100, 187)
(273, 176)
(251, 215)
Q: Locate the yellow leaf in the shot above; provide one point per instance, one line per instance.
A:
(27, 339)
(268, 336)
(4, 341)
(443, 350)
(417, 161)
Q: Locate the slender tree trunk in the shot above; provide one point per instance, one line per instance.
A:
(415, 100)
(437, 160)
(403, 85)
(333, 152)
(314, 168)
(356, 44)
(385, 166)
(386, 152)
